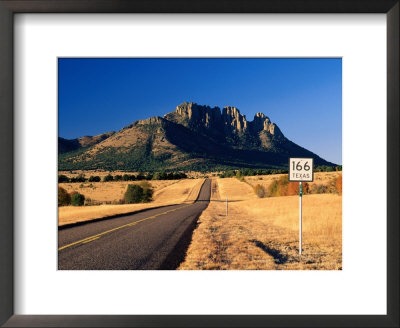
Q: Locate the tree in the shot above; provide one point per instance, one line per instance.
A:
(133, 194)
(94, 179)
(108, 177)
(63, 178)
(77, 199)
(63, 197)
(147, 191)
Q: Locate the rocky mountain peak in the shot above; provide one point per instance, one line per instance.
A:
(233, 119)
(212, 120)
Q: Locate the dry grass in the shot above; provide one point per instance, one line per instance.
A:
(324, 178)
(167, 193)
(235, 190)
(263, 233)
(110, 192)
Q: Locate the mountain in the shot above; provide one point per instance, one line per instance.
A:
(192, 137)
(67, 145)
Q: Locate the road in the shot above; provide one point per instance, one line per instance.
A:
(150, 240)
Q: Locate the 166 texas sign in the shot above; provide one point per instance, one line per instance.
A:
(301, 169)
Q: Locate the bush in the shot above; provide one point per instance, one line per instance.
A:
(108, 177)
(133, 194)
(319, 189)
(64, 198)
(260, 191)
(79, 178)
(77, 199)
(94, 179)
(63, 178)
(147, 191)
(282, 187)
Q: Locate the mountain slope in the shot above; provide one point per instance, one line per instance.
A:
(191, 137)
(67, 145)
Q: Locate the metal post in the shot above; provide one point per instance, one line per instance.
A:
(300, 215)
(226, 206)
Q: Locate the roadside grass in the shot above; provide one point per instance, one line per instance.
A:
(169, 192)
(262, 234)
(110, 192)
(320, 178)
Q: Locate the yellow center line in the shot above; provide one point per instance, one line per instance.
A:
(97, 236)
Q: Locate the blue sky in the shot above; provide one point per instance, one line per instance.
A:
(302, 96)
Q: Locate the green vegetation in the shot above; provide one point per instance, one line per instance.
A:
(94, 179)
(126, 177)
(141, 193)
(326, 168)
(108, 178)
(64, 198)
(250, 172)
(77, 199)
(282, 187)
(63, 178)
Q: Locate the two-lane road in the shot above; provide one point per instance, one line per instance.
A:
(153, 239)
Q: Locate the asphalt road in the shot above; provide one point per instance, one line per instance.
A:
(150, 240)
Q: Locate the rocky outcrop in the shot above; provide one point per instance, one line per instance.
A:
(229, 125)
(233, 121)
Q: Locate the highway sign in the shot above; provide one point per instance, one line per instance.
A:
(301, 169)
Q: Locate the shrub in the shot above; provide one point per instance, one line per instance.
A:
(79, 178)
(94, 179)
(338, 184)
(147, 191)
(133, 194)
(293, 188)
(63, 197)
(77, 199)
(282, 187)
(272, 188)
(118, 177)
(319, 189)
(63, 178)
(260, 191)
(108, 177)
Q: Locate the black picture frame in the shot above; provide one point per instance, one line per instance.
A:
(10, 7)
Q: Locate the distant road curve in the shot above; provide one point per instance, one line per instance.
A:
(150, 240)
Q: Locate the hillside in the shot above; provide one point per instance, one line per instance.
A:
(192, 137)
(68, 145)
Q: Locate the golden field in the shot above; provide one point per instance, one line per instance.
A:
(319, 178)
(262, 233)
(166, 192)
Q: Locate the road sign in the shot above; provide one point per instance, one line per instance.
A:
(301, 169)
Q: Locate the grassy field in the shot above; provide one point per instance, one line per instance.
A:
(319, 178)
(167, 192)
(262, 233)
(111, 192)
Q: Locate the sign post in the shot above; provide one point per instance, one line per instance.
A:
(300, 216)
(301, 170)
